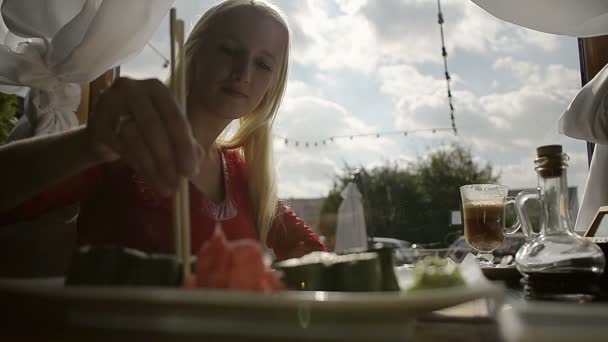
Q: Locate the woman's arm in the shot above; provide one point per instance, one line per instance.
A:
(32, 165)
(289, 237)
(137, 121)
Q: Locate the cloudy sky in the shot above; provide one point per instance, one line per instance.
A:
(366, 66)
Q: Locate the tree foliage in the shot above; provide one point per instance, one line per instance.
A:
(8, 107)
(413, 202)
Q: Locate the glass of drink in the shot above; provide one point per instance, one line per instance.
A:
(484, 218)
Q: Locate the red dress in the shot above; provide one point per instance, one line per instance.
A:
(117, 207)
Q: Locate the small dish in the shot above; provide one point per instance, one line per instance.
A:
(506, 273)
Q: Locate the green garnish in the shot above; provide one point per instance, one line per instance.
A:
(434, 273)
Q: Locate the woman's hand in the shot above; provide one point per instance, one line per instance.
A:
(139, 122)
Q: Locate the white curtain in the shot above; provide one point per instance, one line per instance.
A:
(586, 118)
(53, 46)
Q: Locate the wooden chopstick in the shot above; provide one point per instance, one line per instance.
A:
(181, 200)
(183, 189)
(177, 222)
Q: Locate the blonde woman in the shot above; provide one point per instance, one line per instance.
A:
(124, 165)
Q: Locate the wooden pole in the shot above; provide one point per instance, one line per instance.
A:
(596, 55)
(83, 108)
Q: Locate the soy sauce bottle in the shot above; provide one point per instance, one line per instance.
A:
(557, 263)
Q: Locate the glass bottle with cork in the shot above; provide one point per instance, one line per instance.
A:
(556, 262)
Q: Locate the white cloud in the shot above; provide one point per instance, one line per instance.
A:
(315, 117)
(478, 31)
(351, 6)
(523, 71)
(503, 127)
(297, 88)
(366, 35)
(332, 42)
(305, 175)
(539, 96)
(412, 91)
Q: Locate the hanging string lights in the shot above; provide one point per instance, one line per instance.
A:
(307, 143)
(444, 54)
(166, 61)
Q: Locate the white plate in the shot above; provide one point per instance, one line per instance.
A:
(504, 273)
(307, 315)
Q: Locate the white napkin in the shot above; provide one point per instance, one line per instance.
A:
(586, 118)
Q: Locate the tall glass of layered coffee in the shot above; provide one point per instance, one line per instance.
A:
(484, 217)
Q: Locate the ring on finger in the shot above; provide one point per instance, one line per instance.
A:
(120, 122)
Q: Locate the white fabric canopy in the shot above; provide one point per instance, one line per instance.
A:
(586, 118)
(350, 228)
(585, 18)
(52, 46)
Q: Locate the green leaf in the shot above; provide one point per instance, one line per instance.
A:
(8, 107)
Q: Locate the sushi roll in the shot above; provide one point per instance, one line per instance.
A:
(95, 265)
(360, 272)
(308, 273)
(150, 270)
(118, 266)
(321, 271)
(387, 266)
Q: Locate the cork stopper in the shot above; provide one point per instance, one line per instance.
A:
(548, 150)
(550, 161)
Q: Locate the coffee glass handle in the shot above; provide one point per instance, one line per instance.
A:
(522, 212)
(515, 227)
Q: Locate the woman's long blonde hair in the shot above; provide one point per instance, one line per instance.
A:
(254, 137)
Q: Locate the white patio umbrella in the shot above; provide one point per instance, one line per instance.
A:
(350, 230)
(586, 117)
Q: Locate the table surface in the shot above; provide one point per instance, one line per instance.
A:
(426, 329)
